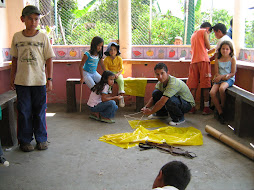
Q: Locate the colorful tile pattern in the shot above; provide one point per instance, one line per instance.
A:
(160, 52)
(149, 53)
(171, 53)
(6, 54)
(246, 55)
(61, 53)
(137, 53)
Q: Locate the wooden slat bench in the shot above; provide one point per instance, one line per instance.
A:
(239, 110)
(8, 133)
(71, 94)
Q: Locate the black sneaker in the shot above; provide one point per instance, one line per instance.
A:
(3, 161)
(221, 119)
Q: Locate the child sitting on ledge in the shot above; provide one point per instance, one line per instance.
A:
(113, 62)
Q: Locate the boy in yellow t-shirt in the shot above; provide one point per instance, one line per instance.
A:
(114, 63)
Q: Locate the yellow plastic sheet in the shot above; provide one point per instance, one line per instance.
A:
(170, 135)
(151, 123)
(135, 86)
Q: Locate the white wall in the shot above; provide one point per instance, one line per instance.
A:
(125, 28)
(10, 23)
(14, 10)
(3, 31)
(4, 28)
(239, 25)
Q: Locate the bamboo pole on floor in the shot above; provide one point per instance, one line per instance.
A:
(230, 142)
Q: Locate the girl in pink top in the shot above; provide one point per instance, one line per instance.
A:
(100, 102)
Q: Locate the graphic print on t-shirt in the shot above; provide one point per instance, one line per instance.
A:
(28, 55)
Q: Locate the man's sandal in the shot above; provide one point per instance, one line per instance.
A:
(92, 116)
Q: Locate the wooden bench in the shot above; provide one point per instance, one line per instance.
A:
(71, 94)
(8, 132)
(239, 110)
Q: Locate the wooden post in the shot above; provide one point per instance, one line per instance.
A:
(71, 96)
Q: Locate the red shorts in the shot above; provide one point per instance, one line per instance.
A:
(199, 73)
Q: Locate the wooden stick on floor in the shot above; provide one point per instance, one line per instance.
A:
(80, 101)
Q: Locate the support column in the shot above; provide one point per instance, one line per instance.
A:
(239, 25)
(124, 12)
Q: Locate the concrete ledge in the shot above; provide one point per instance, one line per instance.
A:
(5, 66)
(239, 110)
(7, 124)
(245, 65)
(154, 61)
(71, 93)
(66, 61)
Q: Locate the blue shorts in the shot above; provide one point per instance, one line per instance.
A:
(229, 81)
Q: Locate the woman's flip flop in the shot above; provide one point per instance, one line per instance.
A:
(107, 120)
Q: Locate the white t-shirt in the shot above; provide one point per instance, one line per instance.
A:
(224, 38)
(31, 53)
(95, 99)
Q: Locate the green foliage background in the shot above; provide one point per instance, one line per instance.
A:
(100, 18)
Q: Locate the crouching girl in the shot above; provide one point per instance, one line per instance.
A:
(100, 102)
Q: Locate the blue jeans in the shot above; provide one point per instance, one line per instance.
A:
(176, 107)
(106, 109)
(31, 106)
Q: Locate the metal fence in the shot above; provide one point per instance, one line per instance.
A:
(141, 22)
(154, 22)
(69, 24)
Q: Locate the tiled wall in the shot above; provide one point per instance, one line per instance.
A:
(246, 55)
(76, 52)
(160, 52)
(69, 52)
(138, 52)
(6, 54)
(72, 52)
